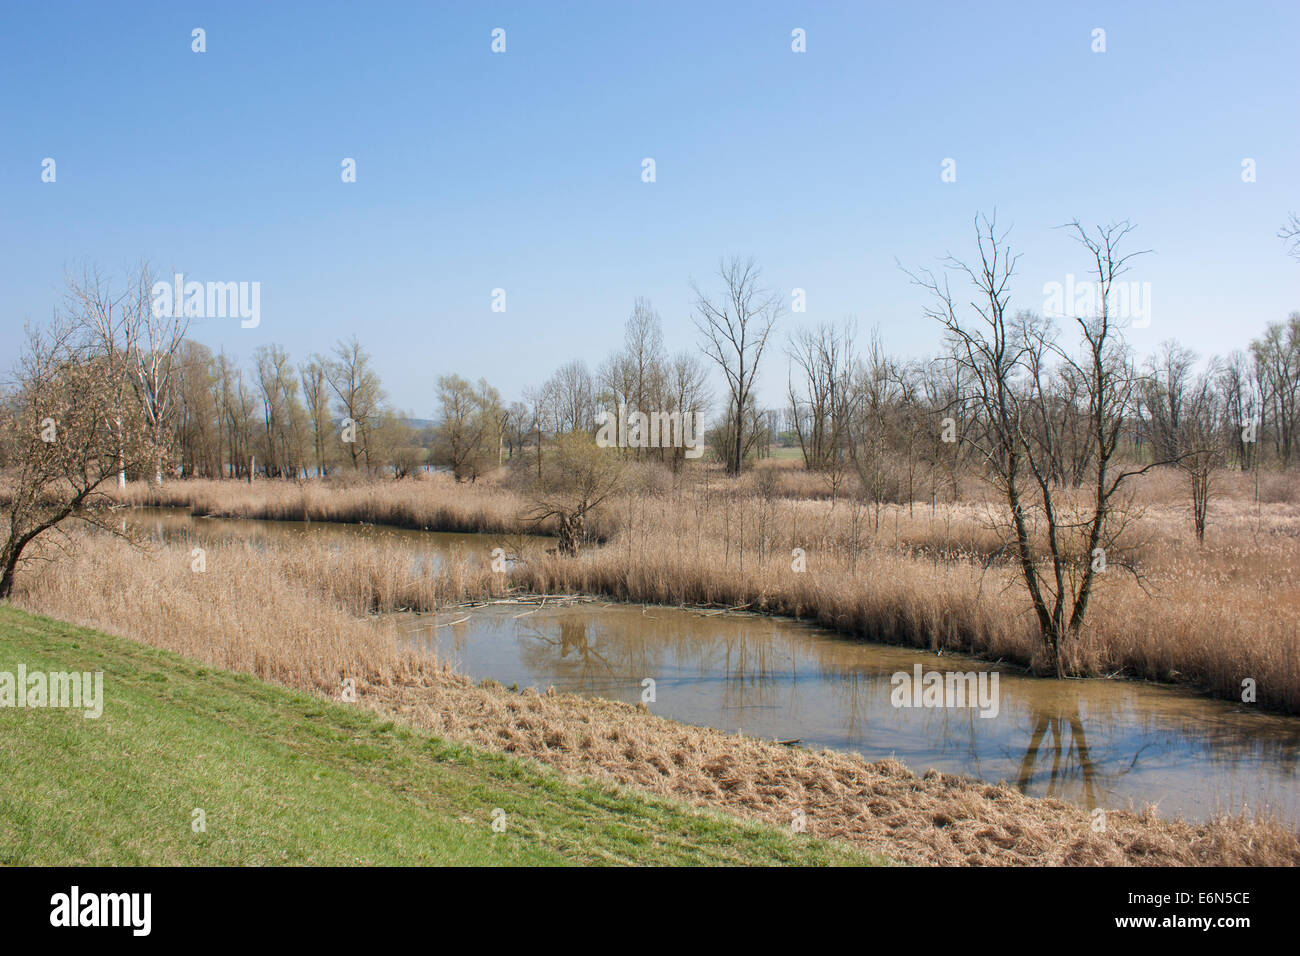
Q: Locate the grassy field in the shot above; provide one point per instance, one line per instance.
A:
(285, 777)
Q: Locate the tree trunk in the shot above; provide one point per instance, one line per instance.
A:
(570, 534)
(10, 564)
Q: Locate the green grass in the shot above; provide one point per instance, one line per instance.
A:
(288, 778)
(783, 453)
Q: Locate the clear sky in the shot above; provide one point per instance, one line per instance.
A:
(522, 170)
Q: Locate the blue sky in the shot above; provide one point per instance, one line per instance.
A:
(522, 170)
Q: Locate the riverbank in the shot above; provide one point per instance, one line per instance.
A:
(936, 578)
(192, 765)
(299, 618)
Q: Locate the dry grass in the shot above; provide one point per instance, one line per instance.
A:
(293, 615)
(433, 503)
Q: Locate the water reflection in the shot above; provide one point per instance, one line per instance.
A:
(1113, 744)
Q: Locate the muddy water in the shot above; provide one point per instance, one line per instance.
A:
(1110, 744)
(176, 524)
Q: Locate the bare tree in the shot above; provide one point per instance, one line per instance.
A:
(1241, 406)
(824, 358)
(1165, 389)
(1002, 360)
(1290, 235)
(101, 318)
(538, 400)
(686, 391)
(1201, 441)
(153, 337)
(360, 397)
(469, 429)
(316, 401)
(67, 431)
(571, 398)
(1277, 362)
(870, 425)
(735, 327)
(579, 477)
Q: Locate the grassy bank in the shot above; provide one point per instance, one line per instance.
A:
(285, 777)
(297, 616)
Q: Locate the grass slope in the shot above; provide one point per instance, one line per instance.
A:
(288, 778)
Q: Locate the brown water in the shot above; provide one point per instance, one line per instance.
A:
(1110, 744)
(431, 547)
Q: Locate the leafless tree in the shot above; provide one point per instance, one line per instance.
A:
(1164, 393)
(1290, 235)
(469, 427)
(153, 336)
(1201, 441)
(580, 476)
(68, 431)
(315, 396)
(360, 396)
(571, 398)
(1002, 359)
(735, 327)
(1241, 406)
(824, 359)
(1277, 360)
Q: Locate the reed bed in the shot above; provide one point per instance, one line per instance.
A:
(932, 576)
(434, 503)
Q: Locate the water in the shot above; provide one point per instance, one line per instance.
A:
(177, 524)
(1110, 744)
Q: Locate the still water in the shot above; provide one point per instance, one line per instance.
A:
(1111, 744)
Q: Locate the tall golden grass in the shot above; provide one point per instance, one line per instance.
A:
(295, 614)
(434, 503)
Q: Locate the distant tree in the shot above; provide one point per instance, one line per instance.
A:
(1241, 406)
(1290, 235)
(519, 424)
(315, 394)
(397, 445)
(138, 343)
(734, 327)
(1277, 361)
(359, 394)
(821, 366)
(198, 424)
(686, 391)
(538, 400)
(470, 427)
(284, 420)
(1164, 391)
(571, 398)
(1201, 442)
